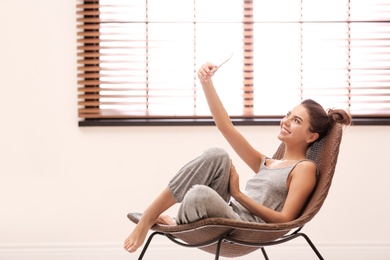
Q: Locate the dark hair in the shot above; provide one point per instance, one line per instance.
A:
(322, 121)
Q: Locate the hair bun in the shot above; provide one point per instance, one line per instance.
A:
(339, 116)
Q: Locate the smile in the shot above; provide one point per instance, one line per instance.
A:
(284, 130)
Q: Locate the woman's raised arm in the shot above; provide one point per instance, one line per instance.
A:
(222, 120)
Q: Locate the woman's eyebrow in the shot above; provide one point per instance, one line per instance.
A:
(297, 117)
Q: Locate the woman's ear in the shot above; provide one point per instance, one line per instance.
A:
(312, 137)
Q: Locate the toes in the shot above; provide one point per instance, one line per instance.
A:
(128, 246)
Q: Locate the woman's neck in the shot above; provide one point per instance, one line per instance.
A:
(294, 153)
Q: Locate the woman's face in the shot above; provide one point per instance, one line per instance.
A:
(294, 127)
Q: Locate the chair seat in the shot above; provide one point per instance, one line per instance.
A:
(205, 234)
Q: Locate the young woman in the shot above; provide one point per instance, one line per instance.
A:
(276, 193)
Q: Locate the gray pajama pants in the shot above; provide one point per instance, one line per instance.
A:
(202, 187)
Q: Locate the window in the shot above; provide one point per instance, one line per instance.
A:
(138, 59)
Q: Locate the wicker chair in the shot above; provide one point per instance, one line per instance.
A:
(232, 238)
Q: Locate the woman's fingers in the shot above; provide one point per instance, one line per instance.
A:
(232, 167)
(206, 70)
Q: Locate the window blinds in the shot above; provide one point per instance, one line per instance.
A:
(139, 58)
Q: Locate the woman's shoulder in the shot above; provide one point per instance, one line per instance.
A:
(306, 166)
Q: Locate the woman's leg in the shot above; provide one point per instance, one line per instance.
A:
(163, 202)
(203, 202)
(211, 168)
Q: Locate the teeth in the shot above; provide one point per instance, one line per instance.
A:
(285, 131)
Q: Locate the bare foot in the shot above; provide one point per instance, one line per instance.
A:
(166, 220)
(163, 202)
(136, 238)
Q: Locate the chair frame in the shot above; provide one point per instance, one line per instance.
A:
(226, 239)
(233, 238)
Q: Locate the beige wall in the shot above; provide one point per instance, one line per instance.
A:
(65, 191)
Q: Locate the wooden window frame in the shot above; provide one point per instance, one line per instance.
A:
(88, 20)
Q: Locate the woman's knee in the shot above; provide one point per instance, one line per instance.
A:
(216, 153)
(199, 194)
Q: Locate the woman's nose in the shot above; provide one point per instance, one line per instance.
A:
(286, 121)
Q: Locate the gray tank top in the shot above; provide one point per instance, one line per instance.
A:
(268, 187)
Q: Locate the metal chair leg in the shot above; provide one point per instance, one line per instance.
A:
(264, 253)
(311, 245)
(218, 249)
(147, 244)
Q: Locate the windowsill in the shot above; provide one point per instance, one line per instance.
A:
(377, 121)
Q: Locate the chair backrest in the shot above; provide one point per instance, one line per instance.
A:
(325, 154)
